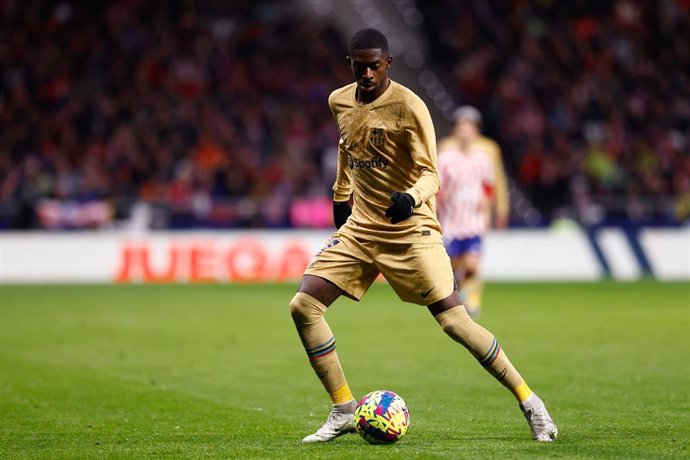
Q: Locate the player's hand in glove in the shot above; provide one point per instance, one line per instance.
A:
(341, 211)
(401, 208)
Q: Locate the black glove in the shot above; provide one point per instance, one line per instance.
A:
(401, 208)
(341, 211)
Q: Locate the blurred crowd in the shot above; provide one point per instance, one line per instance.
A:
(215, 112)
(590, 100)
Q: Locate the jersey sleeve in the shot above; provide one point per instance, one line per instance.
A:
(443, 179)
(488, 173)
(488, 177)
(422, 141)
(502, 202)
(342, 188)
(447, 143)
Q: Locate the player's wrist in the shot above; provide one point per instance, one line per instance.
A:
(409, 198)
(341, 212)
(416, 201)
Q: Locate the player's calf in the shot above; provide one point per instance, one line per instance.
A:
(486, 349)
(481, 343)
(319, 343)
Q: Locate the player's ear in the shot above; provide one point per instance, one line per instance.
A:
(349, 61)
(389, 62)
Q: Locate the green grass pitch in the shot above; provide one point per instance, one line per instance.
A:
(217, 371)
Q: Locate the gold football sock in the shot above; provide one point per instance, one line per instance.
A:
(318, 341)
(522, 392)
(484, 347)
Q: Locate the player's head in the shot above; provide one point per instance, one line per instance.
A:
(369, 61)
(466, 123)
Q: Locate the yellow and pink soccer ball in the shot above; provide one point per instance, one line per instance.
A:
(381, 417)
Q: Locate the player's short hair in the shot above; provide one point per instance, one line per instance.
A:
(467, 112)
(367, 39)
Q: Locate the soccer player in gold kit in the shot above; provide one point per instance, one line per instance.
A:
(387, 167)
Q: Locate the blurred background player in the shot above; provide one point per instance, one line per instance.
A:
(474, 183)
(500, 211)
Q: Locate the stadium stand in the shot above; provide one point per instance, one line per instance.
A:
(588, 99)
(213, 113)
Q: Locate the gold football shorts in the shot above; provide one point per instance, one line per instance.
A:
(418, 272)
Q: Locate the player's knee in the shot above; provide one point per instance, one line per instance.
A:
(470, 272)
(470, 266)
(456, 323)
(297, 309)
(303, 311)
(449, 330)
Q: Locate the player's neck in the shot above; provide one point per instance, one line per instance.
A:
(465, 146)
(368, 98)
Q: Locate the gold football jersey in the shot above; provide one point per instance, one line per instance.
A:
(385, 146)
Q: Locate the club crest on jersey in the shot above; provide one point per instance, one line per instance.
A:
(377, 136)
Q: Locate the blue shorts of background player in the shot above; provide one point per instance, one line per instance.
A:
(457, 248)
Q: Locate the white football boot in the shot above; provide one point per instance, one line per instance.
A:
(340, 421)
(540, 423)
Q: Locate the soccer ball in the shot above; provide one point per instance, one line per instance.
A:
(381, 417)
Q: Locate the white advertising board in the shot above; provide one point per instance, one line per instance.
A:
(266, 256)
(668, 252)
